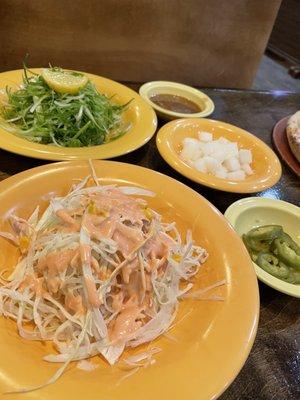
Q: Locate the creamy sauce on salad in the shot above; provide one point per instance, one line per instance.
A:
(99, 271)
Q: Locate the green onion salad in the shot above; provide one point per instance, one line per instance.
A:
(40, 114)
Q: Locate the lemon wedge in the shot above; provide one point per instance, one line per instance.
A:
(64, 81)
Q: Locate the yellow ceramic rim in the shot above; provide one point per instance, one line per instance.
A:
(149, 86)
(236, 209)
(143, 128)
(165, 145)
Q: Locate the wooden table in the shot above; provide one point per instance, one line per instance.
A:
(272, 371)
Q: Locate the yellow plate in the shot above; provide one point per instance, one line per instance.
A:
(213, 339)
(139, 114)
(266, 166)
(250, 212)
(164, 87)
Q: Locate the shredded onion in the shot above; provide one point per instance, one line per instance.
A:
(99, 272)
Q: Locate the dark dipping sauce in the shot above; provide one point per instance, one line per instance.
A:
(175, 103)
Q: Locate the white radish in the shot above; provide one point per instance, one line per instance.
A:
(232, 164)
(236, 175)
(245, 156)
(205, 136)
(247, 169)
(200, 165)
(221, 173)
(231, 149)
(211, 164)
(190, 141)
(220, 156)
(223, 140)
(206, 148)
(210, 148)
(190, 152)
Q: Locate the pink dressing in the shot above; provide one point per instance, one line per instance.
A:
(35, 283)
(117, 301)
(56, 262)
(73, 226)
(148, 283)
(98, 229)
(27, 281)
(86, 258)
(128, 269)
(85, 254)
(38, 286)
(116, 201)
(93, 296)
(159, 245)
(107, 227)
(75, 260)
(53, 284)
(127, 238)
(112, 198)
(125, 324)
(95, 265)
(103, 274)
(134, 288)
(74, 303)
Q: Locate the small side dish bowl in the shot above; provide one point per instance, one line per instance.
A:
(156, 88)
(251, 212)
(266, 166)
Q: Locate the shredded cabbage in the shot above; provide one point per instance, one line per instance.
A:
(99, 272)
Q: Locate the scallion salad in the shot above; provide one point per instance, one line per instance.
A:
(39, 113)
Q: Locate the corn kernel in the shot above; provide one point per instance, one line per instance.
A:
(23, 243)
(177, 257)
(92, 208)
(148, 213)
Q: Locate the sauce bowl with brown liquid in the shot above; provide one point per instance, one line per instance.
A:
(173, 100)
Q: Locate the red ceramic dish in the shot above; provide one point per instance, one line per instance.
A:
(282, 145)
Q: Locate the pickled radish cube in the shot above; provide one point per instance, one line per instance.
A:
(206, 148)
(221, 173)
(211, 148)
(205, 136)
(223, 140)
(232, 164)
(220, 156)
(211, 164)
(231, 149)
(247, 169)
(200, 165)
(216, 146)
(190, 151)
(190, 141)
(202, 146)
(245, 156)
(236, 175)
(190, 154)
